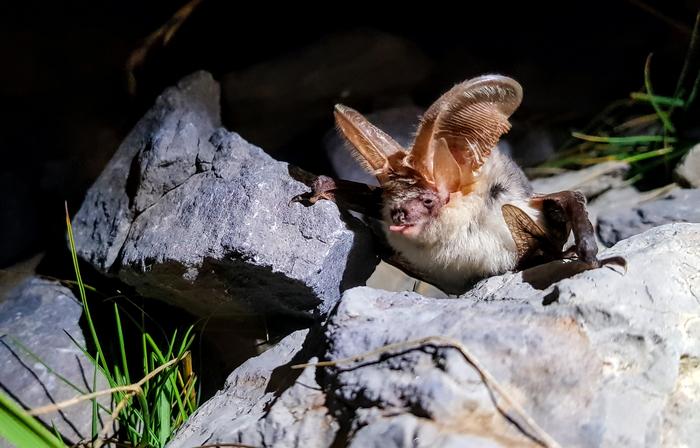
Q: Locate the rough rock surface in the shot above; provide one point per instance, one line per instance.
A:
(237, 413)
(604, 359)
(688, 171)
(196, 216)
(35, 318)
(681, 205)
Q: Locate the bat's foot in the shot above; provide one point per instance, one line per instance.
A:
(617, 261)
(321, 188)
(599, 263)
(589, 258)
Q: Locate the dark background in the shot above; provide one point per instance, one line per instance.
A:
(66, 106)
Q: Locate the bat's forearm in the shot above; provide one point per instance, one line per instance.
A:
(573, 205)
(348, 195)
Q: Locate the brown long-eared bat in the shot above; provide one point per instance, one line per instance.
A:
(454, 208)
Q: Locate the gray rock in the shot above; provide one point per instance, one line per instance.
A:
(604, 358)
(688, 171)
(198, 217)
(252, 408)
(274, 102)
(590, 181)
(680, 205)
(400, 123)
(34, 320)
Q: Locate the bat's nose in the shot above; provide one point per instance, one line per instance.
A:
(398, 215)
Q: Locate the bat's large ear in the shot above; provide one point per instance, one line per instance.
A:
(471, 117)
(376, 151)
(447, 173)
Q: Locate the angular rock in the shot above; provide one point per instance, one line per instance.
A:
(605, 359)
(688, 171)
(194, 215)
(590, 181)
(400, 123)
(34, 320)
(249, 410)
(272, 103)
(681, 205)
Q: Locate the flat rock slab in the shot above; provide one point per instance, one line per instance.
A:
(36, 320)
(688, 171)
(681, 205)
(194, 215)
(605, 359)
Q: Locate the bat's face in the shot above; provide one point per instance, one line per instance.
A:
(454, 139)
(409, 207)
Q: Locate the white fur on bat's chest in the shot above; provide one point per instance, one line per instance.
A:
(468, 240)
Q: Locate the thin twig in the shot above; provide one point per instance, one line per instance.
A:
(117, 409)
(163, 34)
(79, 399)
(540, 435)
(675, 24)
(227, 445)
(130, 388)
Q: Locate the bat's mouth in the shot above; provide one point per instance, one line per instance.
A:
(401, 228)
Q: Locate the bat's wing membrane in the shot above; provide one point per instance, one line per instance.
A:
(529, 237)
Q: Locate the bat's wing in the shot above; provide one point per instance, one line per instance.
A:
(376, 151)
(531, 240)
(565, 212)
(470, 118)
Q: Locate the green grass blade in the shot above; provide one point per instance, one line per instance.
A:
(630, 140)
(660, 100)
(107, 374)
(156, 350)
(83, 296)
(95, 416)
(122, 348)
(689, 55)
(693, 91)
(48, 368)
(648, 155)
(663, 116)
(56, 432)
(163, 407)
(23, 430)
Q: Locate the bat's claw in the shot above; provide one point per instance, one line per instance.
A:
(598, 263)
(618, 261)
(304, 198)
(322, 188)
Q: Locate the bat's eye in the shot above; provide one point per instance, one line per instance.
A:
(428, 202)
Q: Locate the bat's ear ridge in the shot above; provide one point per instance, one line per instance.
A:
(446, 171)
(373, 148)
(471, 117)
(504, 92)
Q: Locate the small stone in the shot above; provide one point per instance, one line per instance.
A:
(688, 171)
(681, 205)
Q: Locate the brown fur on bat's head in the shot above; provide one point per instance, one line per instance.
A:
(454, 138)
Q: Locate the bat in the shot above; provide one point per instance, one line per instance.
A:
(454, 209)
